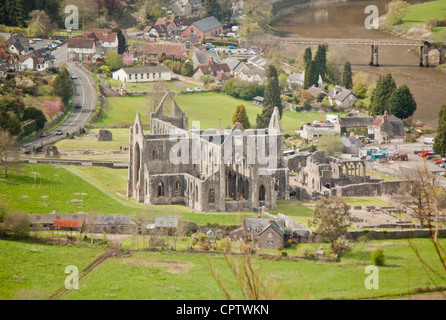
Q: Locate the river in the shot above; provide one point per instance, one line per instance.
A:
(346, 21)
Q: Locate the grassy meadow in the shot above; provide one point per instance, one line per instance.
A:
(32, 269)
(213, 110)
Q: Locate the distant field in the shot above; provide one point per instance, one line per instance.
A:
(30, 270)
(419, 14)
(213, 110)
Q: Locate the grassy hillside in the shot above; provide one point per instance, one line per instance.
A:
(213, 110)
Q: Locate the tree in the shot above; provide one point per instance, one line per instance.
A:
(336, 59)
(321, 61)
(39, 24)
(401, 103)
(347, 80)
(311, 75)
(63, 87)
(10, 122)
(307, 57)
(440, 138)
(8, 150)
(271, 98)
(34, 114)
(52, 108)
(212, 8)
(332, 146)
(283, 81)
(121, 40)
(330, 219)
(17, 223)
(127, 58)
(113, 60)
(241, 116)
(381, 95)
(187, 69)
(397, 10)
(306, 98)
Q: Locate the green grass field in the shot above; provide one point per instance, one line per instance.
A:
(419, 14)
(213, 110)
(40, 189)
(29, 269)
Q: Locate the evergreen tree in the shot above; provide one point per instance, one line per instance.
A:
(321, 61)
(401, 103)
(34, 114)
(121, 40)
(347, 79)
(241, 116)
(308, 56)
(311, 75)
(213, 8)
(63, 87)
(9, 122)
(271, 98)
(381, 95)
(440, 138)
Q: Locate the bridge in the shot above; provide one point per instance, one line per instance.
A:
(425, 46)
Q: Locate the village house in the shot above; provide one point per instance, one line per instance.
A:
(201, 57)
(343, 97)
(107, 39)
(354, 122)
(35, 61)
(220, 71)
(296, 78)
(268, 232)
(205, 28)
(187, 8)
(155, 31)
(8, 61)
(318, 130)
(143, 74)
(84, 48)
(18, 43)
(235, 66)
(387, 128)
(153, 50)
(165, 27)
(251, 74)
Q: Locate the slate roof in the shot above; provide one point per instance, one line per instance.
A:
(297, 77)
(110, 219)
(234, 65)
(148, 69)
(261, 224)
(207, 24)
(390, 124)
(340, 94)
(351, 122)
(203, 56)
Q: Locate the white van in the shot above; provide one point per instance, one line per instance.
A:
(428, 140)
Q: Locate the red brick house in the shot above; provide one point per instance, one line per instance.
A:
(205, 28)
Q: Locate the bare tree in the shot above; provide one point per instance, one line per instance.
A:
(8, 150)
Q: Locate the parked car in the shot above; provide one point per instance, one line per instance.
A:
(440, 161)
(189, 90)
(432, 156)
(231, 47)
(197, 89)
(43, 135)
(425, 153)
(443, 165)
(37, 39)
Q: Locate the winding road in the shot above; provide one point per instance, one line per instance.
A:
(84, 95)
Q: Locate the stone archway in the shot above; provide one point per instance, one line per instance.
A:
(426, 52)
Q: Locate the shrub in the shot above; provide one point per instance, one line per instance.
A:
(378, 257)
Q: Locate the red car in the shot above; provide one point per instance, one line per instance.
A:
(43, 135)
(425, 153)
(440, 161)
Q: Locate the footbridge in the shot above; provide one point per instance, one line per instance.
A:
(424, 46)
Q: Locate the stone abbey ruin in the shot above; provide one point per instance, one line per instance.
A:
(234, 169)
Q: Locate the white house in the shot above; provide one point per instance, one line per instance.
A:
(36, 62)
(83, 49)
(17, 48)
(143, 74)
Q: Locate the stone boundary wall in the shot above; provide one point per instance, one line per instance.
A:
(114, 165)
(367, 189)
(393, 234)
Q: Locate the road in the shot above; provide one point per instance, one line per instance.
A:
(84, 95)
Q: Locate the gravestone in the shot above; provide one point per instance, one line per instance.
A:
(105, 135)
